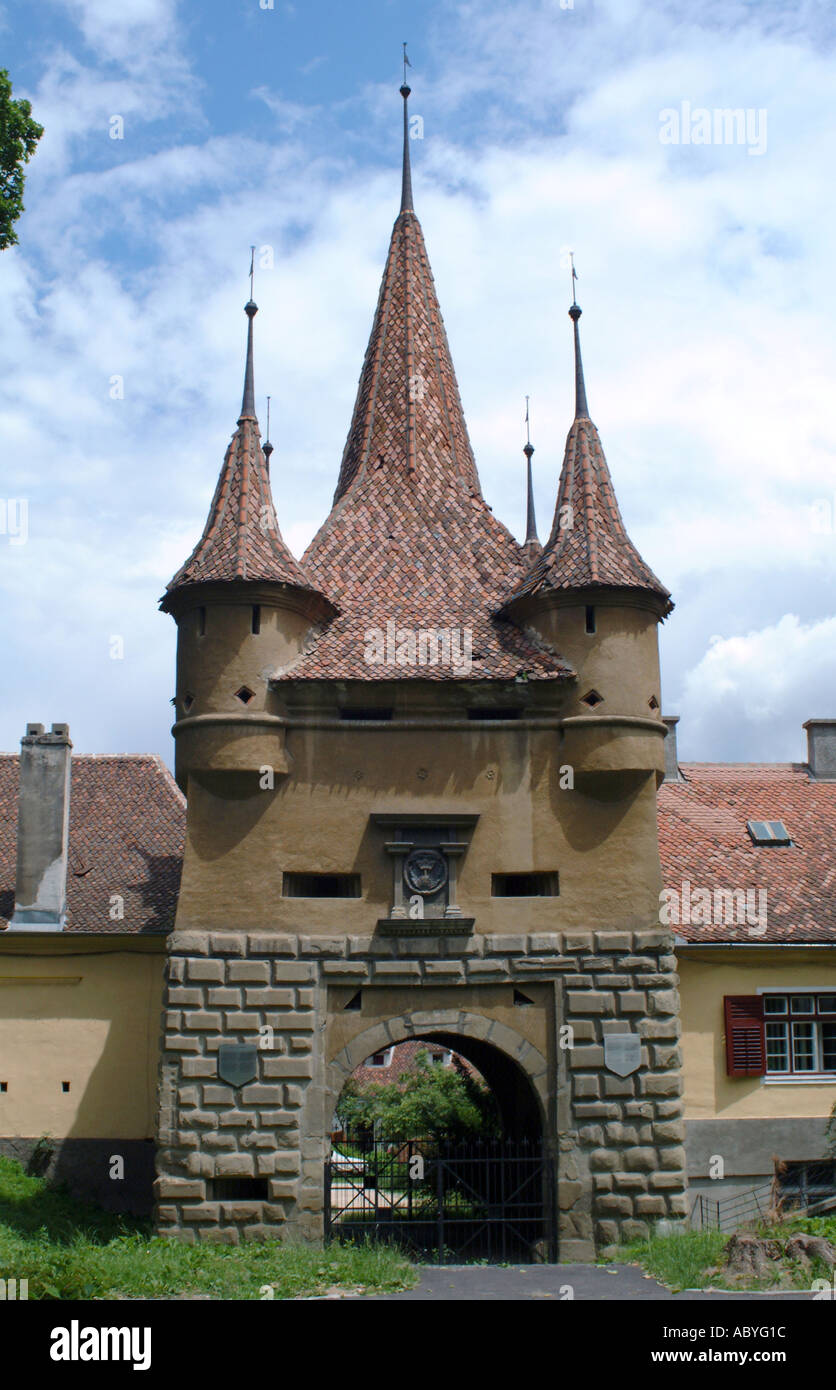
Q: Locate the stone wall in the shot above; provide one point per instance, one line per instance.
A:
(618, 1140)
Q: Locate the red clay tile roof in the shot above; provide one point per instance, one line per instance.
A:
(703, 838)
(410, 537)
(403, 1056)
(588, 546)
(127, 827)
(241, 539)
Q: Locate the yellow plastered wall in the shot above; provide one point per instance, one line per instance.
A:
(90, 1019)
(704, 981)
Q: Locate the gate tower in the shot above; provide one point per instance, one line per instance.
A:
(421, 769)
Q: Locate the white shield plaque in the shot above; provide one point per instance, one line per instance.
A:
(622, 1053)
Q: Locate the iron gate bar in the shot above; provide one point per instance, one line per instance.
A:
(492, 1200)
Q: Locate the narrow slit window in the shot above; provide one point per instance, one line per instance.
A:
(525, 885)
(201, 622)
(237, 1189)
(321, 885)
(507, 713)
(256, 618)
(590, 618)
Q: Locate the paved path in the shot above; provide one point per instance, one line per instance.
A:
(597, 1282)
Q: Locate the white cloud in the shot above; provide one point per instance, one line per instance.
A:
(756, 690)
(706, 332)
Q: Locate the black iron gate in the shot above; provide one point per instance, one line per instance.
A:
(446, 1202)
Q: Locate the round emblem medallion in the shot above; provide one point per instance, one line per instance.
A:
(425, 871)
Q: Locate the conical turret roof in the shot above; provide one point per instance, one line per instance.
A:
(588, 546)
(241, 539)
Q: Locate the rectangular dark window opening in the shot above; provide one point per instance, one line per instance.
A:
(256, 622)
(201, 622)
(368, 714)
(480, 713)
(4, 1086)
(590, 618)
(531, 885)
(237, 1189)
(65, 1086)
(321, 886)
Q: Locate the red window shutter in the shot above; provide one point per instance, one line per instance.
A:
(745, 1035)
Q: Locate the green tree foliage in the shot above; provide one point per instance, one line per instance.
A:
(430, 1102)
(19, 136)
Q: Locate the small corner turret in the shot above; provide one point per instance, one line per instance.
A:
(243, 606)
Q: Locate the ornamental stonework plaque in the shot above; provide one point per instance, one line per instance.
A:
(425, 871)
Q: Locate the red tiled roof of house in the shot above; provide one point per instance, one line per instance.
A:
(241, 539)
(703, 839)
(127, 829)
(588, 546)
(410, 538)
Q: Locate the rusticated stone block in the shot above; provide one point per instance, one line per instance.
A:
(590, 1001)
(248, 972)
(668, 1083)
(670, 1131)
(585, 1056)
(638, 1159)
(648, 1205)
(201, 1211)
(293, 972)
(209, 971)
(229, 944)
(629, 1182)
(634, 1230)
(672, 1158)
(616, 1204)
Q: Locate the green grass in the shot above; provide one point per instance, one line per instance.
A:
(69, 1249)
(685, 1260)
(679, 1261)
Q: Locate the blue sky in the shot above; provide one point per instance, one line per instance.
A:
(706, 277)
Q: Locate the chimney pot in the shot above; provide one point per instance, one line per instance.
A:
(821, 749)
(43, 830)
(672, 773)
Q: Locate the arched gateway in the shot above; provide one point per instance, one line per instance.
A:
(421, 771)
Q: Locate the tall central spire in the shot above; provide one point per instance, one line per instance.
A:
(408, 425)
(410, 538)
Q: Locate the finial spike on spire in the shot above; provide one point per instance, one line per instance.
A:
(581, 408)
(248, 402)
(267, 448)
(406, 181)
(530, 519)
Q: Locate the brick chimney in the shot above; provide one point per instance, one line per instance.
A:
(821, 749)
(672, 773)
(43, 828)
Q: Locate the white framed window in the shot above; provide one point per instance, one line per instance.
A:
(800, 1031)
